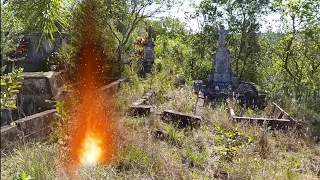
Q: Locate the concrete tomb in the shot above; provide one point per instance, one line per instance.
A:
(37, 87)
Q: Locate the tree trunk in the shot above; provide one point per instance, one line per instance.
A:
(119, 61)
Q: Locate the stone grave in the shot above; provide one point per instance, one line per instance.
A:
(221, 76)
(223, 83)
(142, 107)
(148, 58)
(181, 120)
(276, 117)
(37, 87)
(33, 57)
(36, 59)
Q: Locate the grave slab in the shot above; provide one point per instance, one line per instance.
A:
(182, 120)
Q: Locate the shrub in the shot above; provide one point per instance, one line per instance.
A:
(35, 160)
(174, 135)
(232, 141)
(10, 88)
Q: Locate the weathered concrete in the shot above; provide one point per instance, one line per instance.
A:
(11, 136)
(139, 102)
(112, 87)
(221, 74)
(199, 105)
(273, 123)
(277, 117)
(275, 111)
(148, 97)
(182, 120)
(141, 110)
(142, 107)
(36, 56)
(148, 51)
(37, 87)
(34, 127)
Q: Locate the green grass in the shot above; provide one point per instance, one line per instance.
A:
(134, 157)
(270, 155)
(181, 100)
(175, 136)
(40, 161)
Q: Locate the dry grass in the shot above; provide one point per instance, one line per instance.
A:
(181, 100)
(272, 155)
(38, 160)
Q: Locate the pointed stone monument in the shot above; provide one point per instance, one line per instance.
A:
(221, 74)
(148, 58)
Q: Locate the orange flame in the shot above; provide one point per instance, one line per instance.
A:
(92, 131)
(92, 138)
(92, 127)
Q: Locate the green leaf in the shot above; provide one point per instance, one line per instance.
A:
(14, 91)
(23, 176)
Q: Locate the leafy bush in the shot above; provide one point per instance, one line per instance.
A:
(233, 141)
(23, 176)
(58, 126)
(174, 135)
(197, 158)
(64, 59)
(10, 86)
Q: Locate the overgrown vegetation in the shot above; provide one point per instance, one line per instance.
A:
(219, 149)
(284, 62)
(10, 86)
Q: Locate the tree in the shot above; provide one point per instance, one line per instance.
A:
(295, 51)
(242, 19)
(19, 17)
(125, 15)
(45, 16)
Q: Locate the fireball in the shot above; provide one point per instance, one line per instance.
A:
(92, 150)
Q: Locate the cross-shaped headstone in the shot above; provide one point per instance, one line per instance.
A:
(222, 35)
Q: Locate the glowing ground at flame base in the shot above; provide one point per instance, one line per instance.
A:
(91, 150)
(92, 133)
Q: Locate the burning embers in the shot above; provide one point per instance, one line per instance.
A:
(92, 129)
(92, 136)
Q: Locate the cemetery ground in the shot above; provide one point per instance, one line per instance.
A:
(218, 149)
(153, 125)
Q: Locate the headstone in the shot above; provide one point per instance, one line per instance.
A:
(221, 74)
(35, 56)
(36, 59)
(148, 58)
